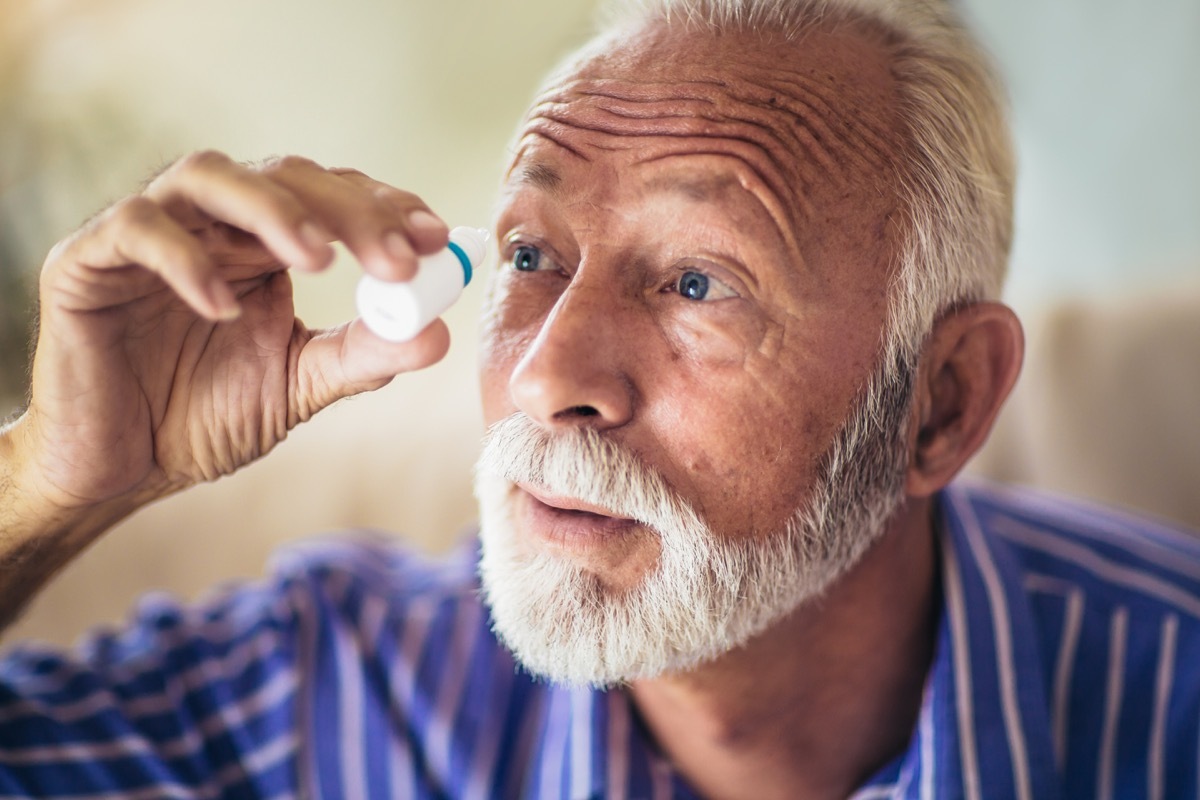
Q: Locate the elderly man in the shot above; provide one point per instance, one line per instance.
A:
(742, 338)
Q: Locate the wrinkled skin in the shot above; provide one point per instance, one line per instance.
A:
(667, 156)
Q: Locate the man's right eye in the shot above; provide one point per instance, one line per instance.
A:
(526, 258)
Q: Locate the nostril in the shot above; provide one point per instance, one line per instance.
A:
(578, 411)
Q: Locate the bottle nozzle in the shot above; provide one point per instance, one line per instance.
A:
(473, 243)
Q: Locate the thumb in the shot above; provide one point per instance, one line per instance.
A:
(349, 359)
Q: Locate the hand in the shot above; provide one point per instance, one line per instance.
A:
(169, 351)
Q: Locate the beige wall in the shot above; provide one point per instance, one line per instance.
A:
(423, 94)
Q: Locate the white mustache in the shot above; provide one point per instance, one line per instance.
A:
(581, 464)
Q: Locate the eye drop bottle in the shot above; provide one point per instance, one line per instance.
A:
(399, 310)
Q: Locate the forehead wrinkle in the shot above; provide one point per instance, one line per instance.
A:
(757, 100)
(746, 133)
(750, 152)
(765, 197)
(805, 132)
(795, 140)
(805, 98)
(549, 130)
(809, 135)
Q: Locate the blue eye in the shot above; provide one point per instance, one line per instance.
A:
(526, 258)
(693, 285)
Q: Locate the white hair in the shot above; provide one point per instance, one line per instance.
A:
(956, 170)
(707, 593)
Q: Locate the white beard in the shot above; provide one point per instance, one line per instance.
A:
(705, 595)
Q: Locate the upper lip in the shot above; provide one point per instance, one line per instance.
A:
(566, 503)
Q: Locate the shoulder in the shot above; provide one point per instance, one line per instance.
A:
(329, 584)
(373, 586)
(1116, 558)
(381, 565)
(1111, 604)
(370, 579)
(1100, 586)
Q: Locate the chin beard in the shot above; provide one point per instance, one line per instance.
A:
(705, 595)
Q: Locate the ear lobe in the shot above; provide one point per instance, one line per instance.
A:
(969, 366)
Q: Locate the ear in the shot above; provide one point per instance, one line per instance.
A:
(970, 363)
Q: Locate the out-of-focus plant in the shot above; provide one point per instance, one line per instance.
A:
(17, 37)
(57, 157)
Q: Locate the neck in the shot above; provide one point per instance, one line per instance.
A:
(817, 703)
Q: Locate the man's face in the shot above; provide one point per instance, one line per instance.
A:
(695, 237)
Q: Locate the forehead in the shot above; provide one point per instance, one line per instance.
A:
(807, 122)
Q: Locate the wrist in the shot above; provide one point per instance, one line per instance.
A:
(29, 507)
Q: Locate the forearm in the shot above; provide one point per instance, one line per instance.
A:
(38, 536)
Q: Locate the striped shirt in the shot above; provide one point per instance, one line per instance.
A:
(1067, 665)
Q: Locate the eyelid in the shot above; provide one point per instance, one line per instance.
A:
(516, 240)
(716, 276)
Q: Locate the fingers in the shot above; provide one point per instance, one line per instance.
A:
(385, 228)
(210, 185)
(136, 231)
(290, 207)
(347, 360)
(295, 207)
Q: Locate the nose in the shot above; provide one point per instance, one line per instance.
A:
(570, 375)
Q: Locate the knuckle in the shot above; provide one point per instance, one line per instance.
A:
(201, 161)
(396, 197)
(350, 173)
(289, 163)
(132, 213)
(389, 202)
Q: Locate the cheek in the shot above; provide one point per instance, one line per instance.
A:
(711, 337)
(745, 445)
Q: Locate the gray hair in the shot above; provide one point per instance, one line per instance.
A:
(955, 179)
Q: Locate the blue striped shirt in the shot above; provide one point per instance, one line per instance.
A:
(1067, 666)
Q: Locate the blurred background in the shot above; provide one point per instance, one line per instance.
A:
(424, 95)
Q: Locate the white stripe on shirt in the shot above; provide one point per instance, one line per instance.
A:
(1106, 762)
(1001, 624)
(351, 753)
(1162, 693)
(463, 638)
(581, 743)
(957, 612)
(417, 619)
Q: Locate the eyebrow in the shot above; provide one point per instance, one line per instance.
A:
(695, 187)
(540, 176)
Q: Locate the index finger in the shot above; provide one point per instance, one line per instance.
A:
(221, 189)
(384, 227)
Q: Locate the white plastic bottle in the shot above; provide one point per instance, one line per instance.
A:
(399, 310)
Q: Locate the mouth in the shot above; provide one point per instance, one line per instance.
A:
(569, 523)
(569, 504)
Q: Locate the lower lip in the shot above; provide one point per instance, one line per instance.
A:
(571, 530)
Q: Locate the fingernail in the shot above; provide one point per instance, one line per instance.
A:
(398, 247)
(314, 236)
(425, 222)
